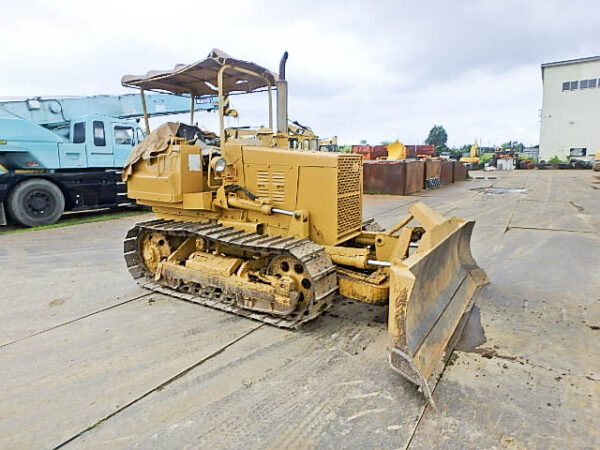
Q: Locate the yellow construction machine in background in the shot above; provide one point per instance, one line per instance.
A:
(263, 227)
(329, 144)
(473, 158)
(397, 151)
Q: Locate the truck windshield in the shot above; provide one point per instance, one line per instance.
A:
(123, 135)
(140, 135)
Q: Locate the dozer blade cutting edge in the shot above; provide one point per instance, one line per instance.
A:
(431, 294)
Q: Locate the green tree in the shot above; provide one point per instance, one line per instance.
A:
(464, 149)
(457, 153)
(438, 137)
(513, 145)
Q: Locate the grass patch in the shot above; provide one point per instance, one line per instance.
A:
(78, 221)
(556, 160)
(485, 158)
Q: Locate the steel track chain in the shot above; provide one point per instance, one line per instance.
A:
(316, 261)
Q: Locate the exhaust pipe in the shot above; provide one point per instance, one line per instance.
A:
(282, 97)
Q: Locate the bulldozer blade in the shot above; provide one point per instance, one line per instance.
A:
(431, 294)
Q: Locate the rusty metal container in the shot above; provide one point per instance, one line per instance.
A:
(415, 151)
(415, 177)
(446, 171)
(370, 152)
(433, 168)
(384, 177)
(460, 171)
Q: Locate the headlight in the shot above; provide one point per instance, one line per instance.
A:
(219, 164)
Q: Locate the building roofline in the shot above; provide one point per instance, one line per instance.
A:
(571, 61)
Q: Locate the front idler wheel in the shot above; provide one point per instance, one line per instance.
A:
(155, 248)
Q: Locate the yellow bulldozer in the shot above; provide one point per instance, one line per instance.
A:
(260, 226)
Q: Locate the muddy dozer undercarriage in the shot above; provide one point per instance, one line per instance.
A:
(280, 281)
(267, 228)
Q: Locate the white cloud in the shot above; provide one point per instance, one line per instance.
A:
(372, 70)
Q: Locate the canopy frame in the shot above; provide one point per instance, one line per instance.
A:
(217, 63)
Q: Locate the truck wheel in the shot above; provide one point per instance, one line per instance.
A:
(35, 203)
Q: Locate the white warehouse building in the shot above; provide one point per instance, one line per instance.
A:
(570, 117)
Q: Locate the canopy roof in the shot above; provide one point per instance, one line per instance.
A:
(201, 78)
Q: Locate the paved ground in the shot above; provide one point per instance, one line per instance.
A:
(90, 360)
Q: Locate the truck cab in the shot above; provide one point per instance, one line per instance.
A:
(98, 141)
(93, 141)
(50, 173)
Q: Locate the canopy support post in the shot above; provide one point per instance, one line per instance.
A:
(145, 109)
(270, 109)
(221, 105)
(221, 121)
(192, 110)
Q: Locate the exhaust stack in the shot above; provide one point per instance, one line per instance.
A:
(282, 97)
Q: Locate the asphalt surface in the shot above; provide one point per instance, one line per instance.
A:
(90, 360)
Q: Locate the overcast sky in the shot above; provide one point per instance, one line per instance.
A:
(372, 70)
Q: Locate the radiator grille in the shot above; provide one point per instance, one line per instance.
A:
(349, 167)
(349, 213)
(349, 207)
(270, 186)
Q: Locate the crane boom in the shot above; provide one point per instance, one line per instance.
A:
(53, 112)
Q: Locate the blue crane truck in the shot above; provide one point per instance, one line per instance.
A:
(67, 153)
